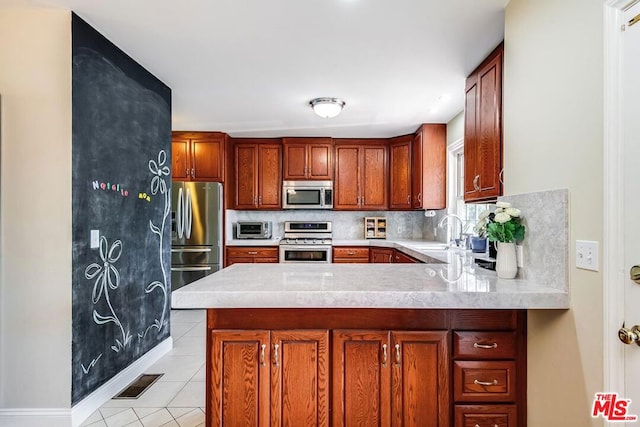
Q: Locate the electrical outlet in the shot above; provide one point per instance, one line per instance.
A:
(587, 255)
(520, 255)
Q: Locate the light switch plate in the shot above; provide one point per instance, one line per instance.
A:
(95, 239)
(587, 255)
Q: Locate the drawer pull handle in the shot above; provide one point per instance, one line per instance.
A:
(486, 346)
(478, 425)
(351, 253)
(398, 358)
(252, 253)
(485, 383)
(262, 355)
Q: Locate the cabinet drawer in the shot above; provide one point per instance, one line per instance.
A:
(486, 416)
(484, 345)
(251, 251)
(489, 381)
(351, 253)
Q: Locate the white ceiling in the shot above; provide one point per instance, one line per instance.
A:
(250, 67)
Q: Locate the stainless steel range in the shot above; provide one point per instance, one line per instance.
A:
(306, 242)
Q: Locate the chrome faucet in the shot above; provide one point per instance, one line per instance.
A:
(447, 218)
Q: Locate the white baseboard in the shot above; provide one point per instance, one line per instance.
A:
(87, 406)
(73, 417)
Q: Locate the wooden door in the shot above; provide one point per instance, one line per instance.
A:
(239, 366)
(269, 176)
(180, 167)
(295, 160)
(489, 137)
(402, 258)
(419, 386)
(320, 159)
(400, 173)
(381, 255)
(347, 180)
(373, 189)
(361, 378)
(416, 170)
(208, 158)
(246, 176)
(300, 378)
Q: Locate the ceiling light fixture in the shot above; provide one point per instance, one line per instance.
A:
(327, 108)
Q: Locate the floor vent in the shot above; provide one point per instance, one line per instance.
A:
(139, 386)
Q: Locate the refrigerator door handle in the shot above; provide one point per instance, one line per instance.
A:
(191, 268)
(180, 215)
(173, 250)
(188, 212)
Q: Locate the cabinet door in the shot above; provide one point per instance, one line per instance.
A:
(373, 189)
(381, 255)
(416, 170)
(347, 195)
(320, 159)
(300, 378)
(434, 166)
(207, 158)
(269, 179)
(400, 166)
(295, 160)
(489, 137)
(361, 378)
(239, 380)
(180, 166)
(419, 389)
(246, 176)
(402, 258)
(471, 175)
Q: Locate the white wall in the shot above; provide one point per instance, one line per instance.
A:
(553, 138)
(455, 128)
(35, 206)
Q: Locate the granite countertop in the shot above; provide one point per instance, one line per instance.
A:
(457, 284)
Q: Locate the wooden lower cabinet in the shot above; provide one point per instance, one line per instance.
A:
(381, 255)
(251, 255)
(350, 255)
(390, 378)
(366, 367)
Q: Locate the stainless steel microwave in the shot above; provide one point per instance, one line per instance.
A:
(307, 195)
(253, 230)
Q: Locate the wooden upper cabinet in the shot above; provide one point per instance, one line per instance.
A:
(257, 179)
(300, 378)
(429, 167)
(198, 156)
(483, 130)
(308, 159)
(361, 174)
(400, 173)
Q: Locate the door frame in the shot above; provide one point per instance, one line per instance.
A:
(613, 245)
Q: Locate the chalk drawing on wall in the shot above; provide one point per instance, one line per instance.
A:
(158, 184)
(107, 278)
(93, 363)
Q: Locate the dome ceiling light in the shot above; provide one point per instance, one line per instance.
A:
(327, 108)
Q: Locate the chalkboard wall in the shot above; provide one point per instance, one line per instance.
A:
(121, 188)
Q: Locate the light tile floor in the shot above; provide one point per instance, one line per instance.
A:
(177, 398)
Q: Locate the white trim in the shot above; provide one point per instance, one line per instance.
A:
(67, 417)
(613, 285)
(451, 173)
(87, 406)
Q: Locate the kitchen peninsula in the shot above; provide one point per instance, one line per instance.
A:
(370, 344)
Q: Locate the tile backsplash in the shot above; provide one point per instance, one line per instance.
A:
(346, 225)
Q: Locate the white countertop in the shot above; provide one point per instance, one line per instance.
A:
(458, 284)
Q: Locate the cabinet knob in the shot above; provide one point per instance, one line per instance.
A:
(397, 347)
(193, 173)
(263, 346)
(409, 199)
(476, 186)
(275, 355)
(384, 355)
(501, 176)
(419, 197)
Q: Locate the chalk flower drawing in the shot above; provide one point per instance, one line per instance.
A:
(107, 277)
(158, 183)
(91, 365)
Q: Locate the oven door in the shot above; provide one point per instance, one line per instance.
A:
(309, 254)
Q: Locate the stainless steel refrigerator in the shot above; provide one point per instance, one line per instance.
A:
(196, 231)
